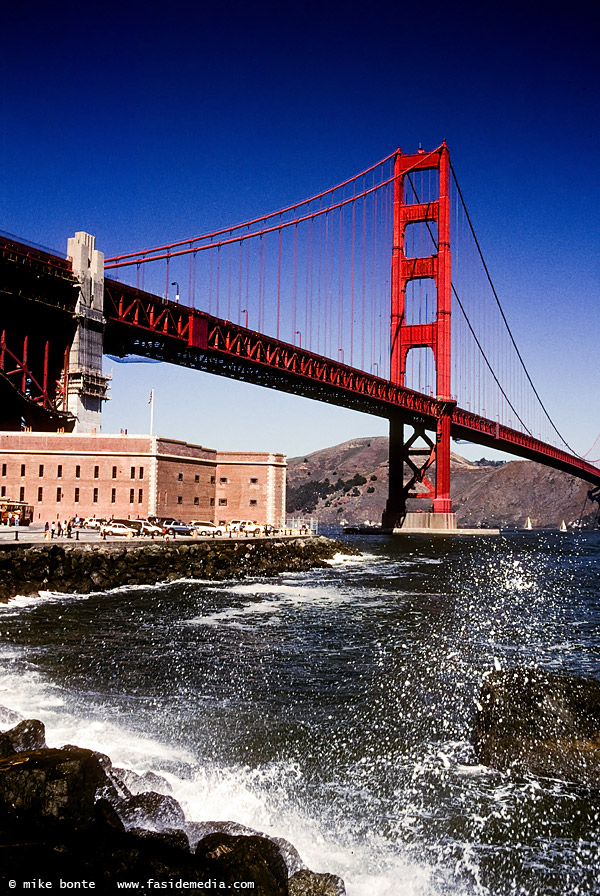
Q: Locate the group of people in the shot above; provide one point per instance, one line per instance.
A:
(57, 528)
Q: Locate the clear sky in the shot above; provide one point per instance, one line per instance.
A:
(148, 123)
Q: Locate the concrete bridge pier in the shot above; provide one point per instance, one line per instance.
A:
(86, 387)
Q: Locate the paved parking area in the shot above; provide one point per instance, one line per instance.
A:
(36, 535)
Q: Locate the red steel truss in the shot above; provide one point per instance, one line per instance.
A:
(39, 294)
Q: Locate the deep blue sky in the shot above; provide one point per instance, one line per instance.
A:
(149, 123)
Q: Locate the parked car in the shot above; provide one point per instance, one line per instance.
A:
(250, 528)
(113, 528)
(148, 528)
(177, 527)
(203, 527)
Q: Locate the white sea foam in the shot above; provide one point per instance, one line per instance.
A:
(27, 693)
(341, 559)
(258, 798)
(278, 597)
(29, 601)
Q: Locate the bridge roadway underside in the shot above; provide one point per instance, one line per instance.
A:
(122, 339)
(17, 410)
(38, 295)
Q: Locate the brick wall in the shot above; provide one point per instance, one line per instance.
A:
(185, 481)
(67, 475)
(63, 475)
(251, 484)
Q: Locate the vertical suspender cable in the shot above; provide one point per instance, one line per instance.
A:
(218, 280)
(294, 281)
(229, 283)
(278, 279)
(363, 282)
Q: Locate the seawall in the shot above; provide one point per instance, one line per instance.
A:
(27, 569)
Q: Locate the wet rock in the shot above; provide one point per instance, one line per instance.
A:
(29, 734)
(307, 883)
(173, 838)
(230, 858)
(63, 816)
(141, 783)
(198, 830)
(85, 567)
(152, 811)
(50, 786)
(107, 815)
(533, 721)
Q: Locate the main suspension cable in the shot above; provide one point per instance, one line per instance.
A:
(485, 267)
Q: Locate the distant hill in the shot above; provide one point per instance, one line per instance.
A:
(348, 483)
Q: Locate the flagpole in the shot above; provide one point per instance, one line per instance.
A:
(152, 412)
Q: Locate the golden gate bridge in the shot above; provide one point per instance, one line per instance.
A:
(373, 295)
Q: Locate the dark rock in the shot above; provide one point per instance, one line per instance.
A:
(141, 783)
(87, 567)
(198, 830)
(153, 811)
(50, 827)
(307, 883)
(255, 859)
(107, 815)
(27, 735)
(538, 722)
(50, 785)
(174, 839)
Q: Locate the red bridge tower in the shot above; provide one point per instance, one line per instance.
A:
(419, 451)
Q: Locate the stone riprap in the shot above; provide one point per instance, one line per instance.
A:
(81, 568)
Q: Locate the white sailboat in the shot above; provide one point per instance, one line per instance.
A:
(563, 526)
(528, 524)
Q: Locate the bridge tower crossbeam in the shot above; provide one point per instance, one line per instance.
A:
(435, 335)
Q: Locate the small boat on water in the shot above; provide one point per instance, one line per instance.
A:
(528, 523)
(563, 526)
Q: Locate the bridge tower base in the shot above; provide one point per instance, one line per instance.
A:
(428, 521)
(414, 456)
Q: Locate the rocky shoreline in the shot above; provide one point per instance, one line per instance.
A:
(81, 568)
(70, 820)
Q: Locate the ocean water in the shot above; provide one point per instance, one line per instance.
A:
(335, 707)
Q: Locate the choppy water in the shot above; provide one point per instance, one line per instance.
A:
(334, 708)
